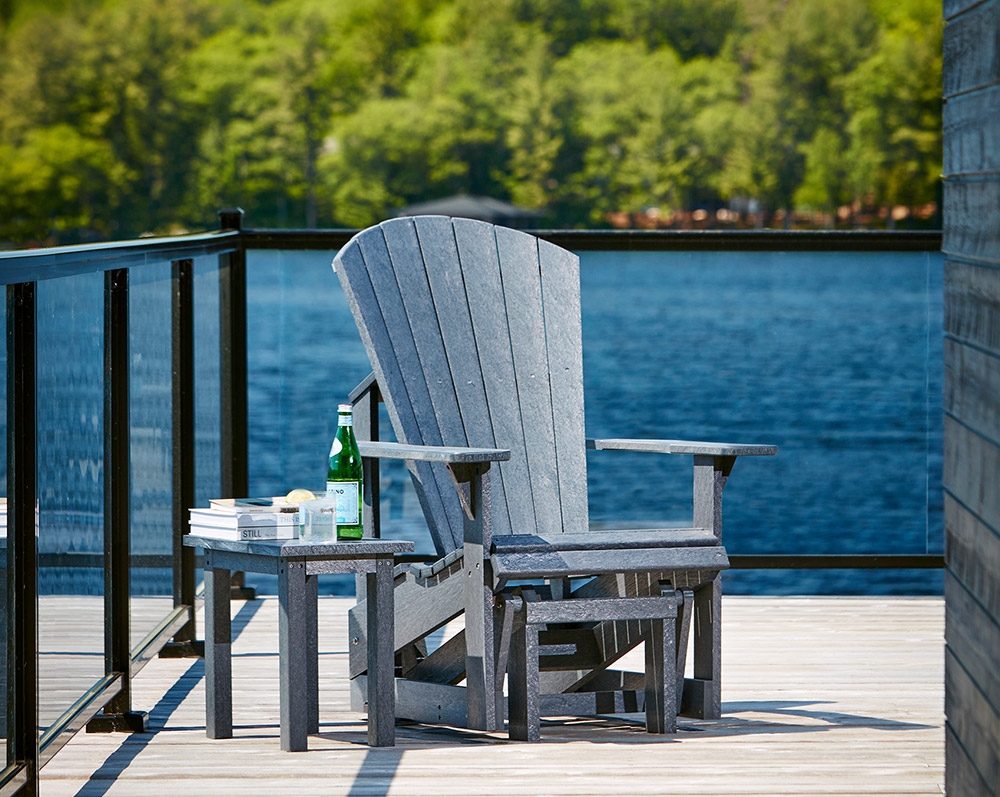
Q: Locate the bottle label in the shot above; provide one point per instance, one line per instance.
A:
(345, 419)
(336, 448)
(346, 495)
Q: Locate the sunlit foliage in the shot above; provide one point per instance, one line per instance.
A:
(124, 117)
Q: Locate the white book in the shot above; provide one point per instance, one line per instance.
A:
(236, 506)
(239, 520)
(248, 534)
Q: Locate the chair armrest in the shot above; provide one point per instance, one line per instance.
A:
(682, 447)
(447, 454)
(368, 384)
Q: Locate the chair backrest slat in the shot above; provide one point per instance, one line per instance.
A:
(484, 290)
(473, 332)
(526, 319)
(564, 343)
(369, 284)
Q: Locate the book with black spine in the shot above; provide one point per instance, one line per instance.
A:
(236, 506)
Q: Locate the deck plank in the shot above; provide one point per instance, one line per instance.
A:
(821, 696)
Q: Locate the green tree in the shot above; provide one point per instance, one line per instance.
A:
(59, 182)
(632, 117)
(260, 85)
(825, 184)
(102, 83)
(693, 28)
(443, 136)
(795, 65)
(272, 89)
(894, 101)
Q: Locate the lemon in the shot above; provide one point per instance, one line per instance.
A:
(299, 494)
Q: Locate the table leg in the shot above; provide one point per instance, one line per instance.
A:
(218, 653)
(381, 656)
(293, 652)
(312, 650)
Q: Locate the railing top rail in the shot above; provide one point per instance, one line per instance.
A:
(657, 240)
(747, 240)
(31, 265)
(63, 261)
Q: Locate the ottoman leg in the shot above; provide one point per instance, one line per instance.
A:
(522, 682)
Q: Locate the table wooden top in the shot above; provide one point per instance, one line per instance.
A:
(297, 548)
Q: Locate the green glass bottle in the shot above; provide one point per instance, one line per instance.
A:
(343, 477)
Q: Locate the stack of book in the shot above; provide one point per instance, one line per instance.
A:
(247, 519)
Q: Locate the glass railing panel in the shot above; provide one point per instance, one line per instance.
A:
(206, 380)
(150, 420)
(835, 357)
(70, 390)
(304, 358)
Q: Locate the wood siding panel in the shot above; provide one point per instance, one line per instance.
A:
(973, 555)
(972, 393)
(970, 125)
(971, 49)
(972, 385)
(972, 305)
(972, 720)
(971, 468)
(961, 776)
(973, 638)
(972, 207)
(952, 8)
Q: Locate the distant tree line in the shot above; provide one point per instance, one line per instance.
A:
(125, 117)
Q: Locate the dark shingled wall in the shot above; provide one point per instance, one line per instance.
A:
(972, 394)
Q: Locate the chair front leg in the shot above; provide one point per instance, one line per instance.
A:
(661, 681)
(472, 484)
(523, 723)
(703, 696)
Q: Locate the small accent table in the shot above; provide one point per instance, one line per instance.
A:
(296, 563)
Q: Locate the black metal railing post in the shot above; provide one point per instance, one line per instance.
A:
(22, 543)
(117, 714)
(183, 461)
(233, 373)
(366, 418)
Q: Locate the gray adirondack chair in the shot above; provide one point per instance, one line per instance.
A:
(474, 336)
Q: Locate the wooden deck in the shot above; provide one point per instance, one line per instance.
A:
(821, 696)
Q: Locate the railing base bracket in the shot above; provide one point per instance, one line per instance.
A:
(130, 722)
(194, 649)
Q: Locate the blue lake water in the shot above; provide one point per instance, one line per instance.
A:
(834, 357)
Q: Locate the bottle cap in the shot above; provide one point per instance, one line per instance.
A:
(345, 408)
